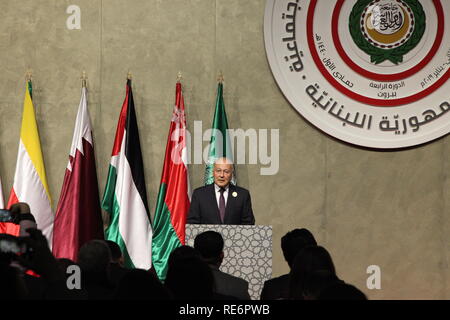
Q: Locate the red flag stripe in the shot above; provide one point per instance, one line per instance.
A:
(12, 198)
(120, 131)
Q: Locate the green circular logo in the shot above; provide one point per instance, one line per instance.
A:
(387, 29)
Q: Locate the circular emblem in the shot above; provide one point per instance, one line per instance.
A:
(387, 30)
(370, 72)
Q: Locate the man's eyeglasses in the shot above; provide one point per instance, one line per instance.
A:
(225, 171)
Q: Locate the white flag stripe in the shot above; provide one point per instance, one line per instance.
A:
(82, 128)
(29, 188)
(2, 202)
(134, 224)
(184, 157)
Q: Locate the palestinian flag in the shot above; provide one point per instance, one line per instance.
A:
(125, 196)
(173, 200)
(30, 181)
(78, 216)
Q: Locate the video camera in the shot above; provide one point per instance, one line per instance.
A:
(8, 216)
(11, 247)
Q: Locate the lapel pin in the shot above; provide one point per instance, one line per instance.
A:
(234, 194)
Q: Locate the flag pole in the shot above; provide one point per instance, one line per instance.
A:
(220, 77)
(83, 79)
(28, 75)
(179, 77)
(28, 80)
(129, 77)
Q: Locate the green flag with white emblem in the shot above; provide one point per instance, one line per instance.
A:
(220, 143)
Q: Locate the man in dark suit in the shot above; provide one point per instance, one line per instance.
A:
(116, 269)
(221, 202)
(210, 245)
(291, 243)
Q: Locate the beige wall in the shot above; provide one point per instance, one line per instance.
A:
(367, 207)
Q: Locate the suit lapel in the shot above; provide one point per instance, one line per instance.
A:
(214, 206)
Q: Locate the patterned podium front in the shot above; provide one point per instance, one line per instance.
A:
(247, 250)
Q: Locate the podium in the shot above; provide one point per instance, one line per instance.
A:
(247, 250)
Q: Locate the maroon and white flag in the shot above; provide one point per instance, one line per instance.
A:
(78, 216)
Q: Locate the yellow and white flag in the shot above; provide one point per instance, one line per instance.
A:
(2, 203)
(30, 182)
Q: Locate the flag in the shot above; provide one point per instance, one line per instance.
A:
(7, 227)
(30, 182)
(125, 196)
(220, 143)
(2, 203)
(78, 217)
(173, 200)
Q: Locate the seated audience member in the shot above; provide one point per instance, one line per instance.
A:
(341, 291)
(116, 267)
(310, 261)
(316, 282)
(181, 253)
(94, 259)
(138, 284)
(291, 243)
(210, 245)
(189, 277)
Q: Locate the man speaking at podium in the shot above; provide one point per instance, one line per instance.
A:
(221, 202)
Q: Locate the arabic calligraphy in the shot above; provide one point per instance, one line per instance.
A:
(294, 57)
(387, 86)
(387, 18)
(436, 74)
(401, 127)
(341, 77)
(364, 121)
(320, 45)
(353, 120)
(328, 63)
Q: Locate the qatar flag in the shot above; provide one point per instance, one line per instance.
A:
(78, 217)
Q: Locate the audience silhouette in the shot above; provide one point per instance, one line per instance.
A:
(193, 273)
(291, 243)
(94, 258)
(312, 266)
(188, 276)
(116, 269)
(210, 246)
(341, 291)
(138, 284)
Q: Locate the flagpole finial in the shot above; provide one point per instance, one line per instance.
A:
(28, 75)
(83, 79)
(129, 76)
(179, 77)
(220, 77)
